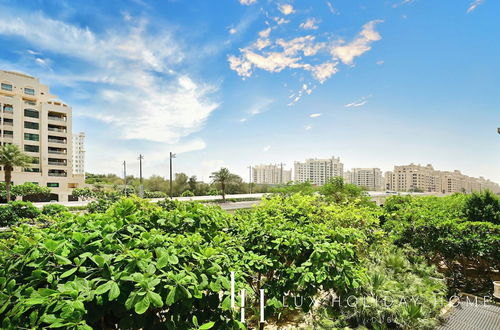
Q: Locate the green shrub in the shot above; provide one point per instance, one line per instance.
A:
(483, 206)
(14, 211)
(54, 209)
(187, 193)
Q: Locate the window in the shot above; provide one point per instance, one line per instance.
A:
(52, 184)
(29, 91)
(30, 102)
(31, 113)
(7, 87)
(8, 108)
(30, 148)
(32, 169)
(35, 160)
(28, 124)
(31, 137)
(8, 133)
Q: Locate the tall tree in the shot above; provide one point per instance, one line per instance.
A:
(192, 183)
(11, 156)
(224, 178)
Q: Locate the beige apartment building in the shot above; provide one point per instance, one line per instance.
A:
(40, 125)
(79, 153)
(368, 178)
(271, 174)
(318, 171)
(425, 178)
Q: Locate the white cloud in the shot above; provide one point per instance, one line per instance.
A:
(404, 2)
(281, 20)
(380, 62)
(286, 9)
(357, 47)
(362, 101)
(322, 72)
(309, 24)
(265, 33)
(266, 148)
(242, 120)
(248, 2)
(233, 31)
(474, 5)
(315, 115)
(260, 106)
(332, 9)
(308, 127)
(135, 68)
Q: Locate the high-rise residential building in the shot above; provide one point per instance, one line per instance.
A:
(79, 153)
(271, 174)
(425, 178)
(318, 171)
(40, 125)
(368, 178)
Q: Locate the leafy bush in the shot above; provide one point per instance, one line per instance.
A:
(53, 209)
(483, 206)
(11, 213)
(187, 193)
(25, 189)
(439, 229)
(154, 194)
(140, 265)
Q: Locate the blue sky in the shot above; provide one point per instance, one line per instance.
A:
(242, 82)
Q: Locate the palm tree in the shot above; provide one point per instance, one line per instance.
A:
(10, 157)
(223, 177)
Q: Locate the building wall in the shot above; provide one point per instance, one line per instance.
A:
(32, 119)
(368, 178)
(426, 178)
(270, 174)
(79, 153)
(318, 171)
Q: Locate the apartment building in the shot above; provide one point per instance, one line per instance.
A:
(33, 119)
(368, 178)
(318, 171)
(270, 174)
(79, 153)
(425, 178)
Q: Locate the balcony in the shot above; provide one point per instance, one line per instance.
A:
(57, 129)
(57, 151)
(8, 135)
(8, 123)
(58, 173)
(57, 118)
(54, 140)
(8, 109)
(57, 162)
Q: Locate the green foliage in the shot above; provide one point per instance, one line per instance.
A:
(11, 213)
(483, 206)
(83, 193)
(25, 189)
(137, 264)
(154, 194)
(291, 188)
(54, 209)
(337, 191)
(187, 193)
(439, 229)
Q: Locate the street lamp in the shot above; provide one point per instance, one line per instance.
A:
(172, 155)
(141, 186)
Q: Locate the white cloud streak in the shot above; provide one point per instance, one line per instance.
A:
(315, 115)
(248, 2)
(310, 24)
(474, 5)
(135, 68)
(360, 45)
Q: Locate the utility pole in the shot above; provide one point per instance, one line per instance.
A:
(125, 176)
(250, 178)
(141, 187)
(172, 155)
(281, 173)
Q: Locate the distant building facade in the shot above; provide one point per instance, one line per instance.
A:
(369, 178)
(79, 153)
(270, 174)
(40, 125)
(426, 179)
(318, 171)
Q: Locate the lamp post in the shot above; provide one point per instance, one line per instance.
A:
(172, 155)
(125, 177)
(141, 187)
(250, 178)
